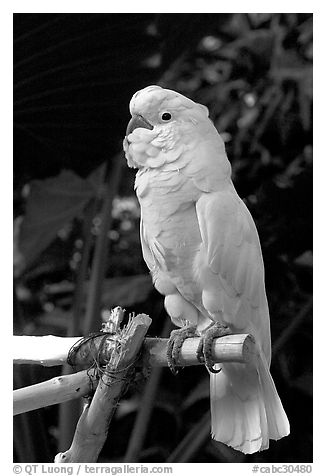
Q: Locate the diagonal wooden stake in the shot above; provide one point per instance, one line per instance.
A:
(93, 425)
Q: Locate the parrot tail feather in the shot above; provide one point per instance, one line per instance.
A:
(246, 410)
(278, 424)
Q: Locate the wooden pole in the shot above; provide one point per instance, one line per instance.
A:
(57, 390)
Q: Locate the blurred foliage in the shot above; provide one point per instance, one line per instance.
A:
(74, 76)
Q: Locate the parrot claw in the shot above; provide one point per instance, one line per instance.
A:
(177, 338)
(204, 351)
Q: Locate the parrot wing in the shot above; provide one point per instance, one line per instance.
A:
(234, 272)
(245, 407)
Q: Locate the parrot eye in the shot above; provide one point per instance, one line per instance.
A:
(166, 116)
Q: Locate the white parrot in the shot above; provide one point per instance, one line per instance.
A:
(203, 251)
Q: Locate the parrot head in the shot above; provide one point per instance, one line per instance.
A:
(163, 125)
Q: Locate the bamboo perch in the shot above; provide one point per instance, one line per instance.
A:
(50, 350)
(93, 425)
(231, 348)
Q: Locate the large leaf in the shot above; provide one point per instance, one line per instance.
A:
(51, 204)
(121, 291)
(126, 291)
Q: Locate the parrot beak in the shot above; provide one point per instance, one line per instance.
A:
(137, 121)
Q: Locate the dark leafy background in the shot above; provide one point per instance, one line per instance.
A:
(77, 249)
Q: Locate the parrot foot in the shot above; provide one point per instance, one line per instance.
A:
(204, 351)
(177, 338)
